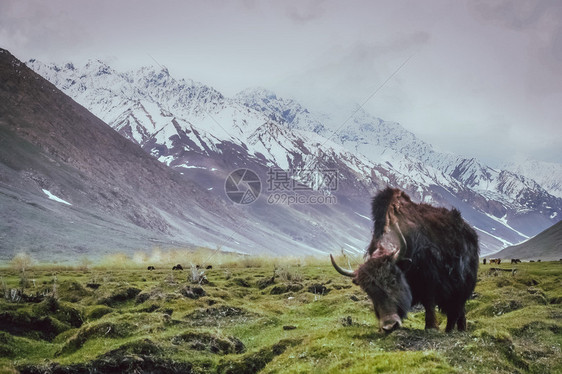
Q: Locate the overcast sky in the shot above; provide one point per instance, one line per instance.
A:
(482, 78)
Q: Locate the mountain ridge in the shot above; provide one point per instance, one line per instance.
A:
(188, 125)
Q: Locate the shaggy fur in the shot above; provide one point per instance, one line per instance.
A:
(443, 250)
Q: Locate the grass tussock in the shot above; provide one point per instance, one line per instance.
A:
(264, 315)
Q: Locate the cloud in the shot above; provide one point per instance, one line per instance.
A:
(40, 26)
(514, 14)
(305, 11)
(492, 73)
(540, 22)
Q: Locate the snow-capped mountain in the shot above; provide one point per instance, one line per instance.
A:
(192, 127)
(547, 174)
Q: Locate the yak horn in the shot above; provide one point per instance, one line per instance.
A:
(403, 245)
(347, 273)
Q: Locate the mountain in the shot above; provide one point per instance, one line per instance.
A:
(205, 135)
(547, 174)
(388, 142)
(514, 200)
(545, 246)
(71, 186)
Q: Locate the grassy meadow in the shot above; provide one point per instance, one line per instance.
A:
(248, 315)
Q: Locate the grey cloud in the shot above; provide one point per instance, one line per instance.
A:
(498, 58)
(541, 22)
(515, 14)
(40, 26)
(305, 11)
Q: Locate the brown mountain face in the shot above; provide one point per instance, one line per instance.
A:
(121, 197)
(545, 246)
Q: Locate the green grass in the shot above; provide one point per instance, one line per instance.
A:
(124, 319)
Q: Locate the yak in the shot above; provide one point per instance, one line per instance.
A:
(419, 254)
(177, 267)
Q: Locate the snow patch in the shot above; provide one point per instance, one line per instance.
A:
(55, 198)
(186, 166)
(501, 240)
(362, 216)
(503, 221)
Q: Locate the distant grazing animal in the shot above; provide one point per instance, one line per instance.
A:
(484, 261)
(538, 260)
(496, 261)
(150, 268)
(532, 261)
(209, 267)
(177, 267)
(418, 254)
(515, 260)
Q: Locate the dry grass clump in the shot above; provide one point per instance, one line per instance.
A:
(201, 258)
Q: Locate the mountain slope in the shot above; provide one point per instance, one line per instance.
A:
(546, 246)
(69, 184)
(205, 135)
(51, 145)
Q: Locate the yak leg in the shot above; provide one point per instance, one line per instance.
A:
(430, 319)
(461, 322)
(455, 316)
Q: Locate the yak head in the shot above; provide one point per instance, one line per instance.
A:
(382, 278)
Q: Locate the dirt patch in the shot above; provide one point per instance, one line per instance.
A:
(98, 312)
(21, 323)
(265, 282)
(72, 291)
(100, 330)
(240, 282)
(318, 289)
(285, 287)
(193, 292)
(208, 342)
(119, 295)
(220, 313)
(533, 328)
(61, 311)
(417, 340)
(505, 306)
(256, 361)
(137, 347)
(156, 294)
(121, 360)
